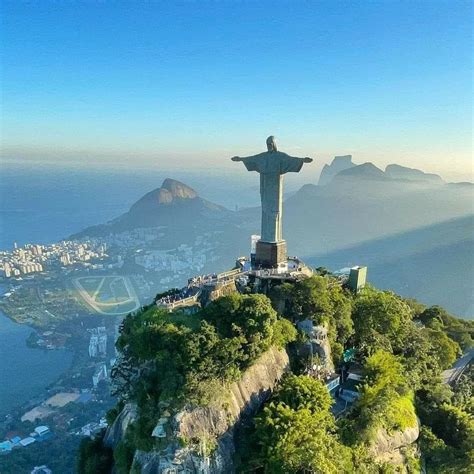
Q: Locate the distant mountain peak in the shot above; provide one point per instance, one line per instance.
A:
(174, 203)
(338, 164)
(365, 171)
(343, 159)
(411, 174)
(178, 189)
(170, 190)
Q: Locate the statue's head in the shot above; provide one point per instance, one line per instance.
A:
(271, 143)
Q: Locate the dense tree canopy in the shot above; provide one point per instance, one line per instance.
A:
(322, 300)
(94, 457)
(296, 431)
(385, 399)
(189, 358)
(461, 331)
(307, 299)
(381, 321)
(401, 345)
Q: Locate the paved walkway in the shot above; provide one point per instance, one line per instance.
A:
(452, 374)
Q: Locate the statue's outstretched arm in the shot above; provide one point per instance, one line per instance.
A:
(250, 162)
(243, 158)
(293, 164)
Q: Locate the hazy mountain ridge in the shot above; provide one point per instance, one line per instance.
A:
(344, 167)
(321, 219)
(402, 172)
(174, 203)
(364, 171)
(338, 164)
(434, 264)
(348, 217)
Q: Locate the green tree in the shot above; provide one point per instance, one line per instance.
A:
(284, 332)
(296, 431)
(382, 370)
(94, 457)
(308, 299)
(341, 302)
(419, 357)
(464, 391)
(123, 457)
(299, 441)
(385, 400)
(298, 392)
(459, 330)
(433, 317)
(444, 348)
(381, 321)
(454, 426)
(441, 458)
(249, 316)
(447, 440)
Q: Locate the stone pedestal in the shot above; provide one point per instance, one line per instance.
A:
(270, 254)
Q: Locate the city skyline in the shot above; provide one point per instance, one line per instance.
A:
(190, 84)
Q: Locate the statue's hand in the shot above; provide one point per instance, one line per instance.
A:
(236, 158)
(306, 160)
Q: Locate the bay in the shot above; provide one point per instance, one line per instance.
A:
(25, 372)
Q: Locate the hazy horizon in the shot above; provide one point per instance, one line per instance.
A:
(177, 164)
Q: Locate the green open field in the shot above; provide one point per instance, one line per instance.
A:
(112, 295)
(89, 285)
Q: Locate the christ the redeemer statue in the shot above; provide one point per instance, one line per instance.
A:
(272, 165)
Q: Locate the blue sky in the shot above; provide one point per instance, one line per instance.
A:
(192, 83)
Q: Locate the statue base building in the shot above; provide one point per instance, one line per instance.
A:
(270, 254)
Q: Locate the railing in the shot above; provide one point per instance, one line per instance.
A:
(188, 301)
(229, 273)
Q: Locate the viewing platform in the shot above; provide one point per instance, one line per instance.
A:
(203, 289)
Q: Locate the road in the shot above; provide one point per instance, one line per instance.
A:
(452, 374)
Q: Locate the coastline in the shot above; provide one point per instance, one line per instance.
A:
(28, 370)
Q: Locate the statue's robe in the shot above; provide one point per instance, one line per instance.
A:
(272, 165)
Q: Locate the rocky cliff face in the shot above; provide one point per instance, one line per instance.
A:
(116, 431)
(392, 447)
(202, 439)
(224, 288)
(339, 163)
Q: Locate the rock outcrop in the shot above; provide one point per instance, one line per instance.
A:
(217, 290)
(212, 425)
(116, 432)
(339, 163)
(390, 447)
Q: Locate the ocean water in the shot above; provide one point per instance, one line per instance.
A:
(43, 204)
(25, 372)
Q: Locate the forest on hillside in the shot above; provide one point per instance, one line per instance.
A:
(176, 360)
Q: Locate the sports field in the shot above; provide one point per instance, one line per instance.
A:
(112, 295)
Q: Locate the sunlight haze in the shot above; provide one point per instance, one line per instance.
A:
(99, 85)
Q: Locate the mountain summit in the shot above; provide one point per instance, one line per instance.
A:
(340, 163)
(344, 167)
(172, 204)
(171, 190)
(177, 189)
(365, 171)
(411, 174)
